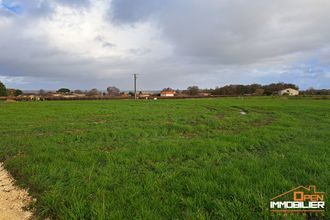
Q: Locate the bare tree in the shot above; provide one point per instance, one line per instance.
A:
(113, 91)
(167, 89)
(78, 91)
(42, 92)
(93, 92)
(193, 90)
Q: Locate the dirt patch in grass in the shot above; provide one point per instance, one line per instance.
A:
(242, 111)
(211, 109)
(100, 122)
(10, 101)
(263, 122)
(220, 115)
(12, 199)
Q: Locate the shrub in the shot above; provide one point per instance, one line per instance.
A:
(3, 90)
(18, 92)
(63, 90)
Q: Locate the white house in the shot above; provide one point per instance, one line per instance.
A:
(288, 91)
(167, 93)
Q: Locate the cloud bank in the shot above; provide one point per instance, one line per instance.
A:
(84, 44)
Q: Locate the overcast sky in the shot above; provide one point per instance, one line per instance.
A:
(47, 44)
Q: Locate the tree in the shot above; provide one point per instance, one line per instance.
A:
(63, 90)
(167, 89)
(275, 87)
(11, 92)
(193, 90)
(3, 90)
(93, 92)
(78, 91)
(253, 89)
(42, 92)
(312, 91)
(178, 91)
(113, 91)
(18, 92)
(259, 91)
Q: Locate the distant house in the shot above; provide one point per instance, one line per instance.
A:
(125, 94)
(204, 94)
(68, 95)
(167, 93)
(144, 95)
(56, 95)
(11, 92)
(289, 91)
(33, 97)
(73, 95)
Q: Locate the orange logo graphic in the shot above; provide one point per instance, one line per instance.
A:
(300, 199)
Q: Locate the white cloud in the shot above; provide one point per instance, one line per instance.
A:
(172, 43)
(14, 80)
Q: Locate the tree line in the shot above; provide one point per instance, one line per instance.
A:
(228, 90)
(252, 89)
(237, 90)
(312, 91)
(9, 92)
(112, 91)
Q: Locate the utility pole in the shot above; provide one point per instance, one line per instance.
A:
(135, 77)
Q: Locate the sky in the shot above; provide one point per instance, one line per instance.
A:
(84, 44)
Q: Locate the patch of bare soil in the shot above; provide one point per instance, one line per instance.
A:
(12, 199)
(10, 101)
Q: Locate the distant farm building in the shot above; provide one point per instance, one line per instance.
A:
(32, 97)
(145, 94)
(289, 91)
(204, 94)
(167, 93)
(11, 92)
(68, 95)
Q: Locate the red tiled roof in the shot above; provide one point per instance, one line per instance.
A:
(167, 92)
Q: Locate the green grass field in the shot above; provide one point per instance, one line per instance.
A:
(165, 159)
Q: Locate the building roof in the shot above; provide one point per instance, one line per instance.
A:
(167, 92)
(288, 89)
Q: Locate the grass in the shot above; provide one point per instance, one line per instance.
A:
(165, 159)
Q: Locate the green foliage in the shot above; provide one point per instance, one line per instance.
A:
(18, 92)
(63, 90)
(3, 90)
(113, 91)
(165, 159)
(93, 92)
(312, 91)
(167, 89)
(253, 89)
(192, 90)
